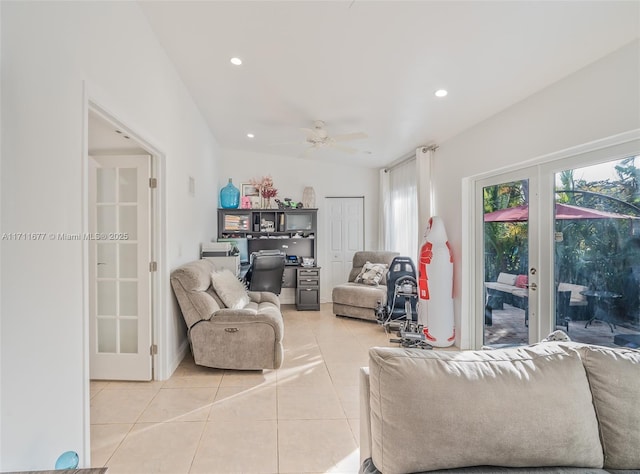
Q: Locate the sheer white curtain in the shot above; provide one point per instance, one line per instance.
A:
(399, 190)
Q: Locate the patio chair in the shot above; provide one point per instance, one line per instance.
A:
(563, 300)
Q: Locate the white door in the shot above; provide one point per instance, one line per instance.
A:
(119, 267)
(507, 226)
(345, 222)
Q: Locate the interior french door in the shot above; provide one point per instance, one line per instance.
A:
(119, 273)
(507, 265)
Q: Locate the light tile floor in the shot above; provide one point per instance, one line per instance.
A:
(301, 418)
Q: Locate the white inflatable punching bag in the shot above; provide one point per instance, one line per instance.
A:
(435, 286)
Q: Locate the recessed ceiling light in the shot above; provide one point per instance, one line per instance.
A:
(236, 61)
(250, 135)
(441, 93)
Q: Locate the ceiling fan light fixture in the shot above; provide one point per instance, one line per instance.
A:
(441, 93)
(236, 61)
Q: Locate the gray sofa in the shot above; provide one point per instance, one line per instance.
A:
(358, 300)
(553, 407)
(249, 338)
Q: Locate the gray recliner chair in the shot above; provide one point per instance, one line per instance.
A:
(248, 338)
(357, 300)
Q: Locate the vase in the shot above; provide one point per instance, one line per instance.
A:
(309, 197)
(229, 196)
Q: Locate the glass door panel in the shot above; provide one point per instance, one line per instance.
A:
(506, 263)
(117, 259)
(597, 253)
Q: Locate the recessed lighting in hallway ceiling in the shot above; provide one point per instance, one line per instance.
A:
(250, 135)
(441, 93)
(236, 61)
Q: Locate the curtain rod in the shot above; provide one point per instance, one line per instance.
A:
(409, 157)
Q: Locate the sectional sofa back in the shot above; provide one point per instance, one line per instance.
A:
(543, 405)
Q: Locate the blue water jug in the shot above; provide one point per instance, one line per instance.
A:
(229, 196)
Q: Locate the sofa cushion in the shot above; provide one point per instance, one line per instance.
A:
(371, 273)
(507, 278)
(614, 376)
(517, 407)
(356, 294)
(230, 290)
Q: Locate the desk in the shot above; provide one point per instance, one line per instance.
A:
(599, 306)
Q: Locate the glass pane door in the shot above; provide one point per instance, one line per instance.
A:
(597, 253)
(506, 264)
(117, 269)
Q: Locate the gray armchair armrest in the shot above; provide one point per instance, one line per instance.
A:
(266, 314)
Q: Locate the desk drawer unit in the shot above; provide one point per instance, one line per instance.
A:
(308, 289)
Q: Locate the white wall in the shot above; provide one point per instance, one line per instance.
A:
(1, 360)
(598, 101)
(292, 175)
(48, 50)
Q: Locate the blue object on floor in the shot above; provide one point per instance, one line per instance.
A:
(68, 460)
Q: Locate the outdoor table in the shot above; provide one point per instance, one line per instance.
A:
(600, 301)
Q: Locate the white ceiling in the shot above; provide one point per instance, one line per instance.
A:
(373, 66)
(106, 138)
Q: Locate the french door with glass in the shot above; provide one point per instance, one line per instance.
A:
(119, 268)
(557, 247)
(507, 262)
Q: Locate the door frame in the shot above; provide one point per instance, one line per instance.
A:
(94, 100)
(598, 151)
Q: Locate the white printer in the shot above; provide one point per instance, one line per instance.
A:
(220, 253)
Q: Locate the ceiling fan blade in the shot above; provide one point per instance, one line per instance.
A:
(346, 149)
(308, 152)
(350, 136)
(287, 143)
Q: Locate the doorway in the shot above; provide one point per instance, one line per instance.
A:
(508, 261)
(554, 245)
(119, 273)
(345, 232)
(122, 224)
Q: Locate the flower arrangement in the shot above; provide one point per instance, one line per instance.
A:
(267, 191)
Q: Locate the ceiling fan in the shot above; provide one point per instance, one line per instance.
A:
(318, 137)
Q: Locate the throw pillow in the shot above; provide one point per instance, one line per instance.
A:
(522, 281)
(371, 273)
(230, 290)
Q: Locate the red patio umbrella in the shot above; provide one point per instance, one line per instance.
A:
(563, 211)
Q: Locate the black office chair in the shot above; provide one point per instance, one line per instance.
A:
(266, 272)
